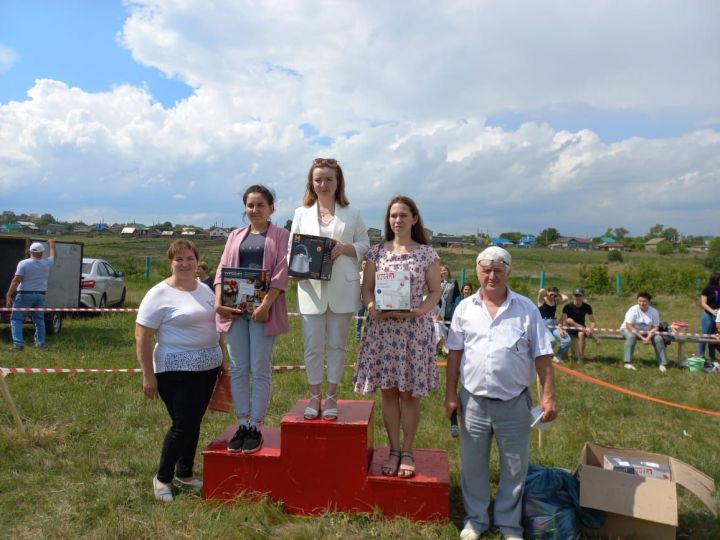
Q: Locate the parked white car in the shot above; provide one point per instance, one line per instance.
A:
(101, 285)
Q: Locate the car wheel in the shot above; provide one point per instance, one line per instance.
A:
(54, 323)
(103, 302)
(122, 298)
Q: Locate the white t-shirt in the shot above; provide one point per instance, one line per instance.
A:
(499, 354)
(35, 273)
(641, 320)
(185, 322)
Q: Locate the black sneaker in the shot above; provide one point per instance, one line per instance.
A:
(253, 441)
(238, 441)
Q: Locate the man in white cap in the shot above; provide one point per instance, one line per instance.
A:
(30, 283)
(497, 343)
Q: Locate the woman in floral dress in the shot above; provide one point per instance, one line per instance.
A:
(398, 353)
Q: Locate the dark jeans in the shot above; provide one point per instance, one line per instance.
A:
(186, 395)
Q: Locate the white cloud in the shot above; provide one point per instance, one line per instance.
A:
(8, 57)
(414, 87)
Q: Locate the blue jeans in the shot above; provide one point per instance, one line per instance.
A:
(38, 317)
(707, 323)
(564, 341)
(250, 351)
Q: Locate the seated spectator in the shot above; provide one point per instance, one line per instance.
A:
(573, 319)
(642, 322)
(547, 302)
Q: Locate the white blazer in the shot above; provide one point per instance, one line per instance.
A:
(342, 293)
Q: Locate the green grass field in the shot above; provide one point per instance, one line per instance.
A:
(93, 440)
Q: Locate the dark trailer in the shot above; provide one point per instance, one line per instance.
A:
(63, 282)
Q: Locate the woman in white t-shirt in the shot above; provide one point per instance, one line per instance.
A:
(642, 322)
(178, 314)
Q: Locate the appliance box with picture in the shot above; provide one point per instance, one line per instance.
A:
(310, 257)
(393, 290)
(244, 287)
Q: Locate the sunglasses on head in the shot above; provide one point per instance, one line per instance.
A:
(330, 162)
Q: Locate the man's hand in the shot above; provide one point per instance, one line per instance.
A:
(549, 407)
(452, 404)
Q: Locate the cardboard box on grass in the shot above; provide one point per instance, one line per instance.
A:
(640, 507)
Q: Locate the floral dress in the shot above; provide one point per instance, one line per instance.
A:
(400, 353)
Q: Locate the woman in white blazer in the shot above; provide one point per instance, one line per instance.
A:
(327, 306)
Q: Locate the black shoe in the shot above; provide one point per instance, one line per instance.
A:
(16, 348)
(253, 441)
(237, 442)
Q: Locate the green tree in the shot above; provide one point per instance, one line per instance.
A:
(672, 234)
(547, 236)
(664, 248)
(45, 219)
(512, 236)
(656, 231)
(713, 257)
(620, 232)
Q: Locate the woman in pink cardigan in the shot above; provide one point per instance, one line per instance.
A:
(250, 335)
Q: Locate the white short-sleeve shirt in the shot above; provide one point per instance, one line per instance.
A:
(185, 322)
(641, 320)
(499, 354)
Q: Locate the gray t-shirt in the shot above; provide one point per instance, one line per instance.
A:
(35, 274)
(252, 249)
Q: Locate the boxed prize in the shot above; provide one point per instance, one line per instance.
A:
(637, 506)
(244, 287)
(310, 257)
(393, 290)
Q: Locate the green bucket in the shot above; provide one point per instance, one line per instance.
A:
(696, 364)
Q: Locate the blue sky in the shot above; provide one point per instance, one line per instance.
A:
(75, 41)
(493, 116)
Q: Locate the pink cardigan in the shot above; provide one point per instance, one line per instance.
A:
(274, 260)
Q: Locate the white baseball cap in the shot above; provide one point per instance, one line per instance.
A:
(494, 253)
(37, 247)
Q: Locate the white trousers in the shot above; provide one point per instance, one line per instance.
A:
(327, 330)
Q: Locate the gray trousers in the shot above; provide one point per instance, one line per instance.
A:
(509, 421)
(657, 342)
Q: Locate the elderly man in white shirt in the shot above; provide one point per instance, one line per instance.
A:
(642, 322)
(497, 343)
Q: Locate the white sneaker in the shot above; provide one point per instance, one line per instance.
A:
(630, 367)
(162, 492)
(663, 369)
(557, 360)
(512, 537)
(469, 533)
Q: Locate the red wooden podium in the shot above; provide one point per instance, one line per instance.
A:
(314, 465)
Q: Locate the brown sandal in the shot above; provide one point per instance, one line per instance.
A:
(406, 470)
(390, 467)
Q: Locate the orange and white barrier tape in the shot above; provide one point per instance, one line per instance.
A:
(615, 332)
(10, 370)
(73, 310)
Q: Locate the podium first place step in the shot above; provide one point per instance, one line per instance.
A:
(317, 465)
